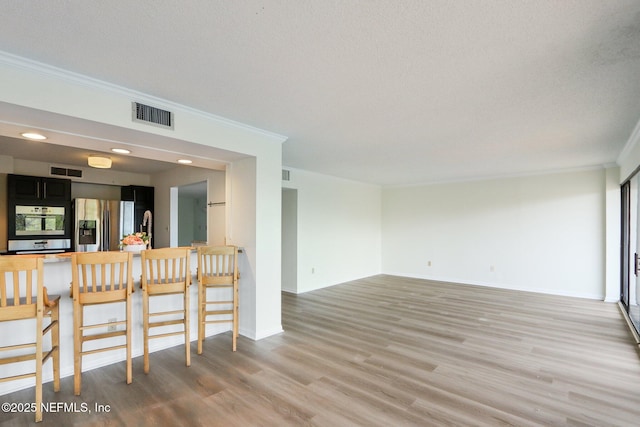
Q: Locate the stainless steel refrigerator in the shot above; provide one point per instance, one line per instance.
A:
(100, 224)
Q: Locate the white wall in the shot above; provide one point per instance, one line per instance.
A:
(81, 190)
(538, 233)
(338, 229)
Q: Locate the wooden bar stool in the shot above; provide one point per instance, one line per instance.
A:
(100, 278)
(23, 296)
(166, 272)
(217, 269)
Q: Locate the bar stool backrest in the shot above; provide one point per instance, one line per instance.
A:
(102, 277)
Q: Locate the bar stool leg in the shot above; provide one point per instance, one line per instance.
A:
(55, 342)
(187, 333)
(201, 308)
(129, 361)
(77, 349)
(145, 329)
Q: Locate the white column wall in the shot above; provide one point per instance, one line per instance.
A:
(612, 234)
(260, 281)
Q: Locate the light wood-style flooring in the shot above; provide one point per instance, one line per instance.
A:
(385, 351)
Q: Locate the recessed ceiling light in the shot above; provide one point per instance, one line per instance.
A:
(33, 135)
(121, 150)
(185, 161)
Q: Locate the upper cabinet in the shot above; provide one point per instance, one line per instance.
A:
(23, 187)
(138, 194)
(143, 198)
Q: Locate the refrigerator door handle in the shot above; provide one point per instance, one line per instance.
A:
(106, 226)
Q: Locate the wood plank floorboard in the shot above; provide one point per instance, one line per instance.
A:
(384, 351)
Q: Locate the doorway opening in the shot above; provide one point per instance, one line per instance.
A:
(289, 240)
(630, 248)
(192, 214)
(198, 211)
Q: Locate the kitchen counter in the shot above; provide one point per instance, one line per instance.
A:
(57, 279)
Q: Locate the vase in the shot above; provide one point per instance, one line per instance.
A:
(134, 248)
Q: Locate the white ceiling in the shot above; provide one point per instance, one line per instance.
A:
(389, 92)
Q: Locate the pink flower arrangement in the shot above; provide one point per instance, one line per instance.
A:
(139, 238)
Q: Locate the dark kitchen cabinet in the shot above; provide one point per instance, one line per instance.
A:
(35, 188)
(143, 198)
(138, 194)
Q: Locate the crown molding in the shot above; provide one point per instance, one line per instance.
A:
(534, 173)
(632, 142)
(49, 71)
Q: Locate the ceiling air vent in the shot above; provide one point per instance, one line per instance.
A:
(286, 175)
(58, 171)
(151, 115)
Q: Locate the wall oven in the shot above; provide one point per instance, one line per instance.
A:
(39, 229)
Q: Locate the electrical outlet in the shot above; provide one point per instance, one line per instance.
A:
(112, 327)
(313, 270)
(492, 268)
(429, 263)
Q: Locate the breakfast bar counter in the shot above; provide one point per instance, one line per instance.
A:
(57, 280)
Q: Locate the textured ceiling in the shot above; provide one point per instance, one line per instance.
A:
(389, 92)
